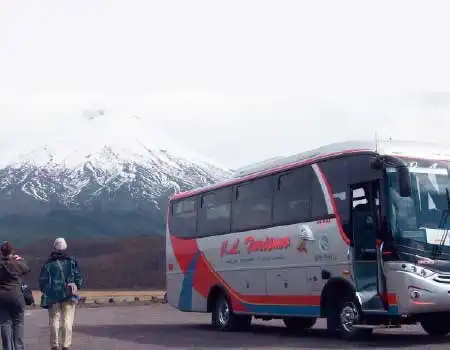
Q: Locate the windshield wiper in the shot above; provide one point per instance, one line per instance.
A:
(437, 249)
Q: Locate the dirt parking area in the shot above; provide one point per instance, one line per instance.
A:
(159, 326)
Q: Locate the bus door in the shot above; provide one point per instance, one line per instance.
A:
(366, 264)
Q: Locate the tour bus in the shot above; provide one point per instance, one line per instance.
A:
(354, 232)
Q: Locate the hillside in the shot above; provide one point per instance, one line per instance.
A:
(121, 263)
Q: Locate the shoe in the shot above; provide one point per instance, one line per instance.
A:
(55, 348)
(65, 349)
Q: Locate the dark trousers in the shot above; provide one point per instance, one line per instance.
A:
(12, 319)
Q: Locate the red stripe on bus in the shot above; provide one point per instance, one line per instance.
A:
(392, 299)
(302, 300)
(184, 250)
(205, 277)
(333, 204)
(208, 277)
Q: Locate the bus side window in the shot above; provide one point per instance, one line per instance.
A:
(252, 205)
(215, 213)
(293, 196)
(183, 221)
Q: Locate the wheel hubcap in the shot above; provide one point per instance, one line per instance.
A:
(349, 317)
(224, 313)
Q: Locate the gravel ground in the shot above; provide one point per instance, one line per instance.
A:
(159, 326)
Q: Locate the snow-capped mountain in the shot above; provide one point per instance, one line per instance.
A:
(100, 168)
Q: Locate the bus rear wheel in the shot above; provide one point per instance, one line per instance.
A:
(299, 323)
(224, 319)
(436, 325)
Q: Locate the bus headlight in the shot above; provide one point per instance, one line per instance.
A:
(420, 271)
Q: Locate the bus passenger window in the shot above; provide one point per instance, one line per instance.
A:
(293, 196)
(252, 206)
(183, 221)
(215, 213)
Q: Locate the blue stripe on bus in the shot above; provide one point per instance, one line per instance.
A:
(185, 301)
(290, 310)
(393, 310)
(294, 310)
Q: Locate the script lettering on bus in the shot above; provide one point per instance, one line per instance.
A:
(232, 250)
(268, 244)
(253, 245)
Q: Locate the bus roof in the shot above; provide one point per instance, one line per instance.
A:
(277, 164)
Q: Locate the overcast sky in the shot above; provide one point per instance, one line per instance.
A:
(238, 81)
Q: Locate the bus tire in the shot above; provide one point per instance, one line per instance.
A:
(343, 315)
(436, 325)
(224, 319)
(299, 323)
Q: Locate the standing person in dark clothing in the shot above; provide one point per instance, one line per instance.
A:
(12, 302)
(59, 282)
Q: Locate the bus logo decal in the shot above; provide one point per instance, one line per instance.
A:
(324, 244)
(306, 233)
(302, 248)
(233, 250)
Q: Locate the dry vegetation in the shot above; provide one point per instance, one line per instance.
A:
(119, 265)
(104, 296)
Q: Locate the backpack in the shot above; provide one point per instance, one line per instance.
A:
(27, 294)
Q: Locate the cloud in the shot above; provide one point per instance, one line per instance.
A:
(237, 81)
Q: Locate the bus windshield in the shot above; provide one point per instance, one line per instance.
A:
(420, 216)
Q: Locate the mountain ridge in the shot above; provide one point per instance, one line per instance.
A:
(105, 176)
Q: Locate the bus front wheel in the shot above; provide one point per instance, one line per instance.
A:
(344, 317)
(224, 319)
(436, 325)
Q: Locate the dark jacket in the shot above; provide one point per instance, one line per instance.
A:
(11, 272)
(51, 281)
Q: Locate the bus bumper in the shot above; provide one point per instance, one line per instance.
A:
(418, 295)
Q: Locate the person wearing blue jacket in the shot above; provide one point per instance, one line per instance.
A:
(59, 282)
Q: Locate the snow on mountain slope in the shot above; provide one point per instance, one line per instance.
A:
(100, 155)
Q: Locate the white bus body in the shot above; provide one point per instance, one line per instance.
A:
(324, 233)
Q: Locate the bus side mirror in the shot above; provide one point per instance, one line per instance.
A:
(377, 163)
(404, 181)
